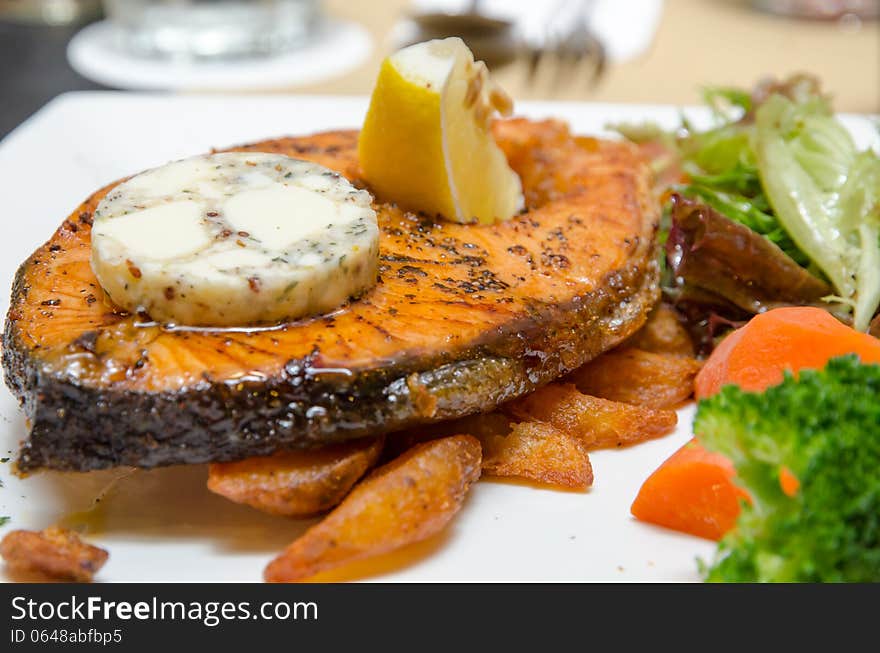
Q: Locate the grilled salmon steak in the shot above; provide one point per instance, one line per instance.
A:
(463, 317)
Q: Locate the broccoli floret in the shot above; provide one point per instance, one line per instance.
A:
(824, 427)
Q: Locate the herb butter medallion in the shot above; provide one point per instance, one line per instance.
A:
(235, 239)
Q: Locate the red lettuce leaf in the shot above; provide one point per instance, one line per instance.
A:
(709, 252)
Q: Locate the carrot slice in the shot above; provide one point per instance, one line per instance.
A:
(693, 492)
(755, 356)
(788, 482)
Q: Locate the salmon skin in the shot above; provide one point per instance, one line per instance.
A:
(463, 317)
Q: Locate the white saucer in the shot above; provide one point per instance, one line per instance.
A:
(339, 48)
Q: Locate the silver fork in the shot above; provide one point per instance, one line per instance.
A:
(565, 46)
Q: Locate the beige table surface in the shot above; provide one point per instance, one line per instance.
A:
(698, 42)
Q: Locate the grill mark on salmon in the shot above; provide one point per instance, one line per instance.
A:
(471, 316)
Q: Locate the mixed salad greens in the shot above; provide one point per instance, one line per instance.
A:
(774, 205)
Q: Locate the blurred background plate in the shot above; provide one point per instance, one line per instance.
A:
(333, 48)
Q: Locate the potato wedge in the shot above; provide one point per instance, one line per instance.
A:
(476, 425)
(596, 422)
(296, 483)
(529, 450)
(56, 552)
(663, 333)
(410, 499)
(538, 452)
(639, 377)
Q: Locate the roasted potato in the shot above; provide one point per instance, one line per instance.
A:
(475, 425)
(296, 483)
(639, 377)
(663, 333)
(596, 422)
(538, 452)
(407, 500)
(55, 552)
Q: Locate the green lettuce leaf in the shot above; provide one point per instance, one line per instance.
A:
(825, 194)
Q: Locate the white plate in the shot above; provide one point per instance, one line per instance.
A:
(164, 525)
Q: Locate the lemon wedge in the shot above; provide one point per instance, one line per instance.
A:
(427, 141)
